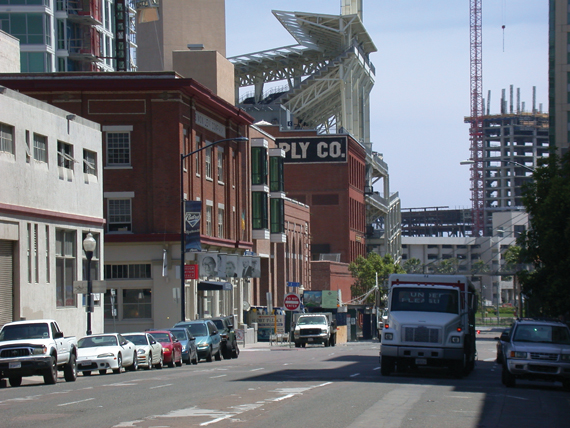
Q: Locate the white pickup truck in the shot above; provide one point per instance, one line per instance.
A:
(314, 328)
(36, 347)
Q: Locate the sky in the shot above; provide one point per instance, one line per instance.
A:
(421, 93)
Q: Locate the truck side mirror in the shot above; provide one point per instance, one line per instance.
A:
(58, 335)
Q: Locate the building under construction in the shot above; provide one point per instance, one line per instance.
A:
(512, 143)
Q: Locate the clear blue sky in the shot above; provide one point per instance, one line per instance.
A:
(421, 94)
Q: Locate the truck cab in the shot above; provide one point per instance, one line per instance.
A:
(431, 322)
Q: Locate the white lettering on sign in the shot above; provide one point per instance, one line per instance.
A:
(210, 124)
(314, 150)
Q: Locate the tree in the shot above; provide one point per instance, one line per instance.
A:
(546, 245)
(513, 262)
(447, 266)
(364, 269)
(413, 265)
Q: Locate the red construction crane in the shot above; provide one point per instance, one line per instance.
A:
(476, 118)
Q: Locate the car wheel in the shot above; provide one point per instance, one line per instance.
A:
(149, 366)
(235, 351)
(179, 362)
(15, 380)
(209, 356)
(70, 369)
(87, 373)
(507, 378)
(119, 364)
(50, 374)
(387, 366)
(102, 372)
(195, 360)
(218, 355)
(135, 365)
(160, 362)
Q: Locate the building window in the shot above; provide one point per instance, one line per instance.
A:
(209, 220)
(198, 146)
(65, 267)
(40, 148)
(221, 213)
(259, 210)
(137, 303)
(276, 181)
(220, 164)
(119, 215)
(209, 162)
(65, 155)
(258, 166)
(277, 215)
(118, 148)
(28, 27)
(135, 271)
(6, 138)
(48, 276)
(89, 162)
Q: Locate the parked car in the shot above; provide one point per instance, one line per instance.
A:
(171, 347)
(188, 342)
(537, 349)
(105, 351)
(207, 338)
(149, 350)
(501, 344)
(228, 336)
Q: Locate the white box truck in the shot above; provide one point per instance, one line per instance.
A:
(431, 322)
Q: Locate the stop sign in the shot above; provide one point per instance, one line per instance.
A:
(292, 302)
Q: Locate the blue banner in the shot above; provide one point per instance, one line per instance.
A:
(192, 218)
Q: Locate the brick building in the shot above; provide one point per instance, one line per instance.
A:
(148, 120)
(327, 173)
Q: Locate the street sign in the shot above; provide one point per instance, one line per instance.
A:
(190, 271)
(292, 302)
(80, 287)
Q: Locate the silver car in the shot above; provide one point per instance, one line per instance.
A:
(537, 349)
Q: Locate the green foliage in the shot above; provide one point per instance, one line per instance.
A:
(364, 270)
(546, 245)
(413, 265)
(479, 267)
(447, 266)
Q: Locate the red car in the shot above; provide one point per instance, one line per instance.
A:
(171, 347)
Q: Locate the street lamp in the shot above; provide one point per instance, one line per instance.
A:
(89, 245)
(182, 232)
(472, 162)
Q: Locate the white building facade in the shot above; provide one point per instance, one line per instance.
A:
(51, 197)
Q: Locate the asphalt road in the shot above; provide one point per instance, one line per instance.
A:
(280, 386)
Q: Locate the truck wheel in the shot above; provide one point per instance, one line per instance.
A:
(507, 378)
(50, 374)
(327, 343)
(460, 367)
(387, 366)
(297, 345)
(333, 340)
(15, 380)
(235, 351)
(70, 369)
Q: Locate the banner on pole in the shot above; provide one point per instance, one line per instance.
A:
(192, 219)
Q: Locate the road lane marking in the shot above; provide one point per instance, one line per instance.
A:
(254, 370)
(160, 386)
(215, 377)
(75, 402)
(355, 374)
(376, 368)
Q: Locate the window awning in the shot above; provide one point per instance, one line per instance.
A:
(214, 285)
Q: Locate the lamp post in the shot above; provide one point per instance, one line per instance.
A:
(471, 162)
(182, 228)
(89, 245)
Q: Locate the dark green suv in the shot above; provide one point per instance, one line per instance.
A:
(229, 344)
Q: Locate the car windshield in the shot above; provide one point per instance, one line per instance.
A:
(219, 324)
(311, 320)
(137, 339)
(179, 334)
(424, 300)
(94, 341)
(542, 334)
(161, 337)
(25, 331)
(198, 329)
